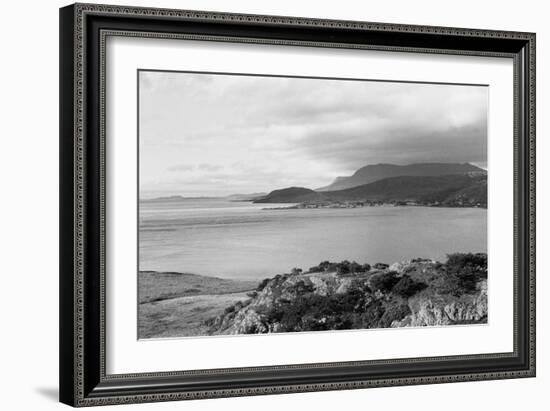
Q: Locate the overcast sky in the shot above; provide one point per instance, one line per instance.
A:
(213, 135)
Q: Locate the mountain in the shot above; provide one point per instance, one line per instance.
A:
(292, 195)
(231, 197)
(475, 193)
(452, 190)
(375, 172)
(411, 188)
(174, 198)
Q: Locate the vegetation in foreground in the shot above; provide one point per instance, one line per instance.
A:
(349, 295)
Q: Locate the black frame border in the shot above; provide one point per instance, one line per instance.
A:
(83, 30)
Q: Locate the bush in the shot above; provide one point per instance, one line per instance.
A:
(371, 316)
(311, 312)
(464, 270)
(394, 313)
(346, 267)
(323, 266)
(343, 267)
(407, 287)
(476, 263)
(262, 285)
(381, 266)
(301, 287)
(384, 282)
(355, 267)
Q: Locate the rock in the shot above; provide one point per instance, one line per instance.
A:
(399, 266)
(346, 284)
(450, 310)
(247, 321)
(417, 264)
(344, 301)
(322, 286)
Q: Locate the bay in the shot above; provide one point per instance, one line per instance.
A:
(242, 240)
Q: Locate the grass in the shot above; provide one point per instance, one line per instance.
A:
(158, 286)
(177, 304)
(182, 316)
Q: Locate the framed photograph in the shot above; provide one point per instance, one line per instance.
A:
(261, 204)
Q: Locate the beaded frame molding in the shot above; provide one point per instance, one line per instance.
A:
(84, 29)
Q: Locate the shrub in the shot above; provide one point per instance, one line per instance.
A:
(301, 287)
(296, 271)
(393, 313)
(315, 312)
(464, 270)
(355, 267)
(381, 266)
(476, 263)
(346, 267)
(371, 316)
(343, 267)
(384, 282)
(323, 266)
(262, 285)
(407, 287)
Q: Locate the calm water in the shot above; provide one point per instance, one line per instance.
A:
(240, 240)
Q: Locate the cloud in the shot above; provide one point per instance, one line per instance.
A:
(195, 167)
(209, 133)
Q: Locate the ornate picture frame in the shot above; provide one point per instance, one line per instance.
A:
(84, 30)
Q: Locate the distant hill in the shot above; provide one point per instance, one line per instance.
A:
(231, 197)
(376, 172)
(474, 193)
(174, 198)
(292, 195)
(425, 189)
(245, 197)
(452, 190)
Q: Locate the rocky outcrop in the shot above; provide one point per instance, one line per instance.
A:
(445, 310)
(346, 295)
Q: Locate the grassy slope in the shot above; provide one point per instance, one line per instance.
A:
(375, 172)
(405, 188)
(291, 195)
(157, 286)
(183, 316)
(176, 304)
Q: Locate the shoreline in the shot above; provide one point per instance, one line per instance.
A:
(333, 206)
(413, 292)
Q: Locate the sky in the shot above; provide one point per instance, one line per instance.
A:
(219, 134)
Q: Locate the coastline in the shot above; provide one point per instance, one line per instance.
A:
(330, 296)
(363, 204)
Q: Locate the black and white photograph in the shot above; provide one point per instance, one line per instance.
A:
(273, 204)
(279, 199)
